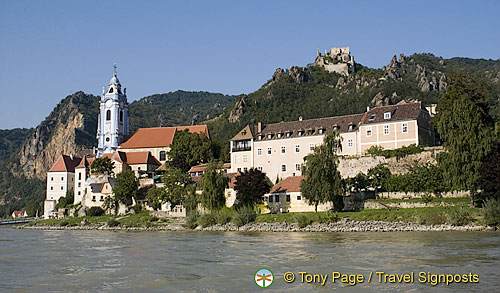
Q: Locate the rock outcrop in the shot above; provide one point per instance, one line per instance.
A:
(70, 128)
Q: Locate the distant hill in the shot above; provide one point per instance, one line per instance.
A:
(312, 92)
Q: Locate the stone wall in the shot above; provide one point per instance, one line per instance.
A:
(351, 166)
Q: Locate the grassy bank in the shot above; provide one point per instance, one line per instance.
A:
(454, 200)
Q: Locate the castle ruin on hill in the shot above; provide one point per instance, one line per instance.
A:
(336, 60)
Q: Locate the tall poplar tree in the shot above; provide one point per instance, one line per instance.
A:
(213, 183)
(323, 182)
(466, 130)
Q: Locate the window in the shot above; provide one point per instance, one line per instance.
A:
(259, 168)
(239, 169)
(283, 149)
(350, 143)
(259, 137)
(79, 176)
(163, 156)
(79, 184)
(245, 158)
(297, 148)
(405, 127)
(311, 147)
(320, 131)
(270, 198)
(259, 152)
(62, 187)
(387, 115)
(288, 134)
(386, 129)
(102, 198)
(52, 188)
(245, 169)
(121, 116)
(62, 178)
(108, 115)
(368, 131)
(51, 178)
(237, 159)
(277, 198)
(111, 90)
(269, 151)
(269, 136)
(297, 167)
(79, 192)
(372, 117)
(299, 197)
(283, 168)
(300, 133)
(138, 168)
(288, 198)
(279, 135)
(93, 197)
(351, 127)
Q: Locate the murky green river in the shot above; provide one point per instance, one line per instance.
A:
(92, 261)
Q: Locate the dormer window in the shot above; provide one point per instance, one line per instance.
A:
(288, 134)
(244, 132)
(279, 135)
(259, 137)
(387, 115)
(300, 133)
(335, 127)
(372, 117)
(321, 130)
(269, 136)
(351, 127)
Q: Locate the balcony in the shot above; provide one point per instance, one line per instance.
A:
(242, 148)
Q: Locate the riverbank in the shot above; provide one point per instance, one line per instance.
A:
(340, 226)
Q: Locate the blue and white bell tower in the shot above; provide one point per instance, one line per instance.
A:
(113, 117)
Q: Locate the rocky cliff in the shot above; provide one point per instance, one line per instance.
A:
(70, 128)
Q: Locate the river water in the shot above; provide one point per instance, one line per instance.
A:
(91, 261)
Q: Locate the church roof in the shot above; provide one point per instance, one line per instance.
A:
(65, 164)
(159, 136)
(133, 158)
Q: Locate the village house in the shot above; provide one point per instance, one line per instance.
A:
(278, 149)
(19, 214)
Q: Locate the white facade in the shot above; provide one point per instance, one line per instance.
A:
(113, 118)
(80, 177)
(58, 183)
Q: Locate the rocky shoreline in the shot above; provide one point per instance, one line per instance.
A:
(341, 226)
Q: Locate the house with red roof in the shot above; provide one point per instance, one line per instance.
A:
(19, 214)
(285, 197)
(60, 180)
(157, 140)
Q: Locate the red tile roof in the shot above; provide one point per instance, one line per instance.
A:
(290, 184)
(133, 158)
(400, 111)
(203, 167)
(85, 162)
(65, 164)
(159, 136)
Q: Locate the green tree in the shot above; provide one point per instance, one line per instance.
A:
(196, 148)
(490, 173)
(378, 176)
(102, 165)
(126, 186)
(323, 182)
(466, 129)
(358, 183)
(70, 196)
(174, 191)
(251, 185)
(213, 184)
(155, 197)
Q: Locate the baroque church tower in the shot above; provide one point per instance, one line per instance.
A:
(113, 117)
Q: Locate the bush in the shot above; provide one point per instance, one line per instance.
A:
(491, 212)
(154, 219)
(328, 217)
(434, 219)
(427, 197)
(113, 223)
(206, 220)
(244, 215)
(459, 217)
(223, 216)
(303, 220)
(191, 221)
(64, 223)
(137, 208)
(95, 212)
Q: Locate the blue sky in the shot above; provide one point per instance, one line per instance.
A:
(51, 49)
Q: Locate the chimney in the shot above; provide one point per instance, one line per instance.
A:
(300, 118)
(367, 108)
(259, 127)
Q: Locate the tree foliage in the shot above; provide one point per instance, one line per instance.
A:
(489, 171)
(378, 177)
(323, 182)
(195, 148)
(466, 129)
(251, 185)
(102, 165)
(213, 184)
(174, 191)
(126, 186)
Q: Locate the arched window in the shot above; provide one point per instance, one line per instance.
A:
(111, 90)
(162, 156)
(108, 115)
(121, 116)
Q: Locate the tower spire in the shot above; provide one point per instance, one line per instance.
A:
(114, 69)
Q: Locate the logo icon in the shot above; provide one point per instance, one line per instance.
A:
(264, 278)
